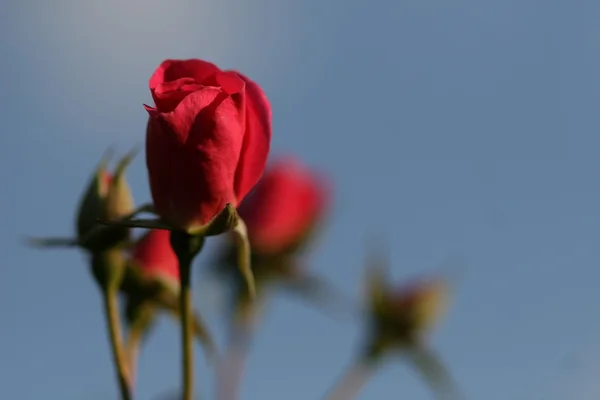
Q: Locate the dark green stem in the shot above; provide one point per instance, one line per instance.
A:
(108, 268)
(111, 310)
(186, 247)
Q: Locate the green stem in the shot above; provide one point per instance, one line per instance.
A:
(358, 373)
(134, 342)
(353, 380)
(187, 333)
(231, 370)
(139, 327)
(111, 310)
(108, 269)
(186, 247)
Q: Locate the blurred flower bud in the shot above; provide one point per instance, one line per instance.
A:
(417, 305)
(284, 208)
(92, 203)
(155, 258)
(403, 314)
(119, 201)
(153, 279)
(400, 317)
(109, 197)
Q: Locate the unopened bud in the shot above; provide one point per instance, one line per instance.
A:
(107, 197)
(403, 314)
(92, 203)
(430, 303)
(119, 201)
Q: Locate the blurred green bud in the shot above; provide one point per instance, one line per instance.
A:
(109, 197)
(92, 203)
(402, 314)
(119, 201)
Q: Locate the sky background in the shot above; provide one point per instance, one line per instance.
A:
(464, 129)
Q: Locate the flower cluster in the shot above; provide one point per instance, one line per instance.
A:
(207, 145)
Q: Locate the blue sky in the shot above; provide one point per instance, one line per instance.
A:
(462, 129)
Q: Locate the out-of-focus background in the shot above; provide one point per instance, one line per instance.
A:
(464, 130)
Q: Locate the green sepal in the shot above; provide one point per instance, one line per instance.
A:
(433, 371)
(240, 234)
(92, 203)
(51, 242)
(119, 201)
(109, 269)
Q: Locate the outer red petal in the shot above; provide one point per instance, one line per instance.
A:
(287, 202)
(257, 139)
(191, 155)
(172, 70)
(155, 256)
(169, 81)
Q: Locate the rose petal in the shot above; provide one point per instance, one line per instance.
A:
(192, 154)
(230, 82)
(168, 95)
(155, 256)
(257, 139)
(171, 70)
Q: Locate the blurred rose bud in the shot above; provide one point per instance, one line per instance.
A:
(207, 140)
(108, 197)
(286, 205)
(155, 258)
(404, 314)
(155, 279)
(400, 318)
(418, 305)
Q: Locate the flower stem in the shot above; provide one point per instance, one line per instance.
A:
(133, 350)
(231, 370)
(187, 333)
(140, 315)
(353, 380)
(111, 310)
(247, 313)
(186, 247)
(108, 269)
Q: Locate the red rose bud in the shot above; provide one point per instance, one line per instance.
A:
(154, 258)
(285, 206)
(207, 140)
